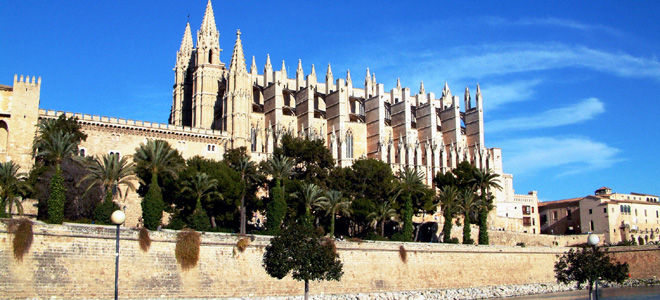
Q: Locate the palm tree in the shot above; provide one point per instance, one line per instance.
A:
(280, 167)
(409, 185)
(310, 194)
(383, 213)
(203, 188)
(335, 204)
(248, 171)
(13, 184)
(448, 198)
(158, 158)
(484, 181)
(469, 205)
(110, 173)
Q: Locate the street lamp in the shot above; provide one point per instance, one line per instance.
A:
(593, 241)
(117, 218)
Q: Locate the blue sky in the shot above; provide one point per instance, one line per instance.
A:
(571, 89)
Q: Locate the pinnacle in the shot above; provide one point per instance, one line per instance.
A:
(186, 42)
(237, 63)
(208, 23)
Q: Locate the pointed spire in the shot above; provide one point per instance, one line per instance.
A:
(328, 74)
(367, 79)
(313, 71)
(237, 64)
(445, 91)
(373, 78)
(349, 81)
(186, 42)
(467, 99)
(208, 23)
(268, 65)
(398, 84)
(299, 70)
(478, 97)
(422, 91)
(253, 68)
(283, 68)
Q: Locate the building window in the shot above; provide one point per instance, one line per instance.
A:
(253, 138)
(526, 210)
(349, 144)
(527, 221)
(568, 214)
(81, 152)
(544, 219)
(210, 148)
(554, 215)
(605, 209)
(591, 224)
(591, 211)
(116, 153)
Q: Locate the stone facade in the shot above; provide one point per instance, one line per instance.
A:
(218, 106)
(619, 217)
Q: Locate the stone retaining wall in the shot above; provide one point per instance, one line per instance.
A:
(78, 261)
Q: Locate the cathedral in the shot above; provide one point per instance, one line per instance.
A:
(218, 106)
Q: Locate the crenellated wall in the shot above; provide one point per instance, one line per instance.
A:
(77, 261)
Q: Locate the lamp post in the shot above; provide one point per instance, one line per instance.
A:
(593, 241)
(117, 218)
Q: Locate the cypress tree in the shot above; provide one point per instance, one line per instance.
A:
(276, 210)
(57, 198)
(152, 205)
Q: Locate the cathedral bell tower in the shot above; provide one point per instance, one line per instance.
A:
(237, 98)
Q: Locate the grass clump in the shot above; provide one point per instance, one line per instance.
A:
(144, 239)
(187, 248)
(403, 254)
(242, 244)
(22, 237)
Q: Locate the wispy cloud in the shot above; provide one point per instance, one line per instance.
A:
(579, 112)
(517, 58)
(515, 91)
(569, 155)
(555, 22)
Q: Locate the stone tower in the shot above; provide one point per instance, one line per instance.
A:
(237, 98)
(19, 113)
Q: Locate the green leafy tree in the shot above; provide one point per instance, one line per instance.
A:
(56, 198)
(313, 160)
(587, 266)
(483, 182)
(155, 158)
(383, 213)
(280, 168)
(203, 188)
(300, 251)
(13, 187)
(468, 205)
(333, 204)
(448, 200)
(410, 185)
(310, 196)
(248, 171)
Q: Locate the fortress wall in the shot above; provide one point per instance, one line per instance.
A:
(77, 261)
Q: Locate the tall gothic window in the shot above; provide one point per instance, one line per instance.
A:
(254, 140)
(349, 144)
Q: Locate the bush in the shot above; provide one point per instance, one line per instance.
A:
(452, 241)
(521, 244)
(375, 237)
(275, 211)
(144, 239)
(187, 248)
(400, 237)
(23, 236)
(56, 198)
(242, 244)
(103, 212)
(199, 220)
(152, 206)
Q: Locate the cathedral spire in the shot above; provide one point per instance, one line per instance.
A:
(445, 91)
(367, 79)
(313, 71)
(269, 66)
(237, 64)
(186, 42)
(328, 74)
(398, 83)
(422, 91)
(349, 81)
(284, 69)
(208, 39)
(208, 23)
(467, 99)
(299, 70)
(478, 97)
(253, 67)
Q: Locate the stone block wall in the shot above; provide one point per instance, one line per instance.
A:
(77, 261)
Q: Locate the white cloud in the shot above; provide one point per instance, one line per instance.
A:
(579, 112)
(515, 91)
(555, 22)
(569, 155)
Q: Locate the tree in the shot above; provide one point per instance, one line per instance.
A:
(280, 168)
(310, 195)
(301, 251)
(154, 159)
(54, 148)
(333, 204)
(409, 186)
(312, 158)
(448, 200)
(110, 173)
(383, 213)
(483, 181)
(248, 171)
(203, 188)
(469, 205)
(588, 266)
(13, 187)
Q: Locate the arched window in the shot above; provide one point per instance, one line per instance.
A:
(4, 133)
(253, 138)
(81, 152)
(211, 56)
(349, 144)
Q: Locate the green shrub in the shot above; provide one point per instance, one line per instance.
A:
(56, 198)
(199, 220)
(521, 244)
(103, 212)
(275, 211)
(187, 248)
(372, 236)
(152, 206)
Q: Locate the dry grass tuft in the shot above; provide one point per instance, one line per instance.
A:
(144, 239)
(242, 244)
(187, 248)
(23, 236)
(403, 254)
